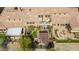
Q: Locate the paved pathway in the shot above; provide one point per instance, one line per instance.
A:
(67, 46)
(40, 49)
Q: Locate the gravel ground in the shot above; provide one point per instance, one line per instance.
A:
(13, 47)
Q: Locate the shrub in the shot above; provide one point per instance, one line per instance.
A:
(25, 43)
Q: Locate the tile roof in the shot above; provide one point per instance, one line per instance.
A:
(74, 22)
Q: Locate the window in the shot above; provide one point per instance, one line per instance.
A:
(27, 22)
(46, 15)
(9, 19)
(30, 22)
(30, 9)
(64, 13)
(14, 19)
(58, 24)
(54, 13)
(66, 24)
(19, 19)
(59, 13)
(40, 16)
(33, 22)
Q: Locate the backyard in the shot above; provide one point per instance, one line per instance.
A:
(26, 42)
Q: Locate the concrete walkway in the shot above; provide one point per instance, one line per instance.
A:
(67, 46)
(40, 49)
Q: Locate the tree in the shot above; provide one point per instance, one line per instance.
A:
(34, 33)
(49, 28)
(31, 27)
(25, 43)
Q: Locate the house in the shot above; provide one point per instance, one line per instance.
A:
(58, 17)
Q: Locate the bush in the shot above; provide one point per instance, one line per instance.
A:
(34, 34)
(31, 27)
(2, 37)
(49, 28)
(25, 43)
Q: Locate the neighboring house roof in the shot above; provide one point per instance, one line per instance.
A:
(14, 32)
(43, 37)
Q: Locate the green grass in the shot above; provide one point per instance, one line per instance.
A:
(2, 36)
(34, 33)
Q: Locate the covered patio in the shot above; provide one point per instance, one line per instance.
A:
(14, 33)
